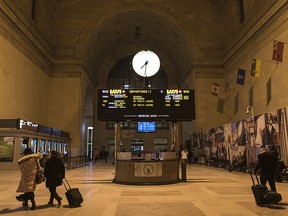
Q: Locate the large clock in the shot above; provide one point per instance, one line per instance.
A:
(146, 63)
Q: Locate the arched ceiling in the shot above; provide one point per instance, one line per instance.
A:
(115, 38)
(108, 34)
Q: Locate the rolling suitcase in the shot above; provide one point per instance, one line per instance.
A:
(272, 197)
(73, 195)
(262, 195)
(258, 190)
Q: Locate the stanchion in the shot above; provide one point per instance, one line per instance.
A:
(183, 168)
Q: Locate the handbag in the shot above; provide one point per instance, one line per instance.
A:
(40, 177)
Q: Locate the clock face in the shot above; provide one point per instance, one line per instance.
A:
(146, 63)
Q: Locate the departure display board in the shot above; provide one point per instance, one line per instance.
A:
(146, 104)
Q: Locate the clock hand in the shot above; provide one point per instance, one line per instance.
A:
(145, 64)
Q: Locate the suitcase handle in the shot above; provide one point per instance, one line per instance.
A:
(250, 171)
(255, 176)
(66, 184)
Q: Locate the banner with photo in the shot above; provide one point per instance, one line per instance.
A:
(241, 140)
(6, 148)
(228, 142)
(209, 137)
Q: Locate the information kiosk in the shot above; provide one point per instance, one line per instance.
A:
(146, 105)
(147, 169)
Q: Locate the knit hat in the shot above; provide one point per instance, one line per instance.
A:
(27, 151)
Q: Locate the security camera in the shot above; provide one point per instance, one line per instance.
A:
(248, 110)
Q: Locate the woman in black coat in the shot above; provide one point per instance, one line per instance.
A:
(54, 172)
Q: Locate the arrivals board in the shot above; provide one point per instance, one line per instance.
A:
(146, 104)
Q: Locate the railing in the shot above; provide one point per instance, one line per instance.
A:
(74, 162)
(70, 162)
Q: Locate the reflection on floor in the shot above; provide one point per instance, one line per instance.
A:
(208, 191)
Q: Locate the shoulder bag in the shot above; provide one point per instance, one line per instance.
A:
(39, 174)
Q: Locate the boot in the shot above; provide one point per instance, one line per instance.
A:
(51, 201)
(21, 198)
(58, 198)
(25, 203)
(33, 207)
(31, 196)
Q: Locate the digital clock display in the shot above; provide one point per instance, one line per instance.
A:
(145, 104)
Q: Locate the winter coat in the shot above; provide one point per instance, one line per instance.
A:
(266, 164)
(28, 168)
(54, 172)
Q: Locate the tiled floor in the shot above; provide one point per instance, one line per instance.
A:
(208, 191)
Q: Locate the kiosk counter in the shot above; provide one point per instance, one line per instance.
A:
(147, 170)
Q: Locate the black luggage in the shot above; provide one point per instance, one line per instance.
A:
(272, 197)
(73, 195)
(262, 195)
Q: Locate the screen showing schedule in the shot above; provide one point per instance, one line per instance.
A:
(143, 104)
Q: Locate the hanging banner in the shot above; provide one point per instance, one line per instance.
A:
(241, 76)
(227, 85)
(215, 89)
(278, 48)
(256, 67)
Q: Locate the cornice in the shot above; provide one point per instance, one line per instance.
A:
(70, 68)
(269, 24)
(212, 67)
(270, 21)
(26, 39)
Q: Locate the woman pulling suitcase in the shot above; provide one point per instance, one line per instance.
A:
(54, 172)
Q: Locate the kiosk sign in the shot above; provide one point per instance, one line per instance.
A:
(23, 124)
(148, 169)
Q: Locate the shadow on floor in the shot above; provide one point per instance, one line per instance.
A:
(279, 206)
(22, 208)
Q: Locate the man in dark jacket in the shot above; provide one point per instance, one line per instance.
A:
(275, 154)
(267, 166)
(54, 172)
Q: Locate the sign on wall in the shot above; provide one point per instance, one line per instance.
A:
(148, 169)
(6, 148)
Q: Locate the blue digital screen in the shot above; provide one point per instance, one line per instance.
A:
(146, 127)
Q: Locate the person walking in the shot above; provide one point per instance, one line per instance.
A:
(28, 167)
(184, 156)
(105, 154)
(54, 172)
(267, 166)
(275, 154)
(95, 155)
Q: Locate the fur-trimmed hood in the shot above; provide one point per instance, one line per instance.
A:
(28, 166)
(27, 157)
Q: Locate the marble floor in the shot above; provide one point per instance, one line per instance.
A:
(208, 191)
